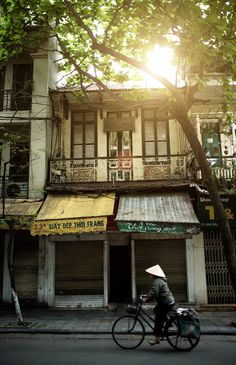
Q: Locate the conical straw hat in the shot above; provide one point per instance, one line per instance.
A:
(156, 270)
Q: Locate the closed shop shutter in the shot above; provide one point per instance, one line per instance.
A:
(1, 261)
(219, 287)
(26, 265)
(170, 255)
(79, 268)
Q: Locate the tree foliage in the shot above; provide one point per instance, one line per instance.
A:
(203, 33)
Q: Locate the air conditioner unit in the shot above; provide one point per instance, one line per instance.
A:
(13, 190)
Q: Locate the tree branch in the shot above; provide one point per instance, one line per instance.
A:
(130, 61)
(84, 73)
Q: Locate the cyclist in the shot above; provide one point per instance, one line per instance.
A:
(164, 298)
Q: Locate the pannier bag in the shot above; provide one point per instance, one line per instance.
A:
(189, 324)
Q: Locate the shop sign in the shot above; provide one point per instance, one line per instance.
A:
(206, 212)
(155, 227)
(21, 222)
(77, 225)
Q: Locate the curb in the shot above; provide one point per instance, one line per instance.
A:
(52, 331)
(216, 332)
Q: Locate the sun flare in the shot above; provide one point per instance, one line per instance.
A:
(160, 60)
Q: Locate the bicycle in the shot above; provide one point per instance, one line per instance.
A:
(181, 328)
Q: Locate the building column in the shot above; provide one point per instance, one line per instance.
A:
(190, 271)
(6, 291)
(196, 271)
(200, 269)
(133, 271)
(50, 273)
(105, 272)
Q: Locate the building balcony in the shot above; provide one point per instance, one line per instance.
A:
(224, 168)
(117, 169)
(136, 169)
(15, 100)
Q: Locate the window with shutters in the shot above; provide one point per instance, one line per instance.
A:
(22, 86)
(155, 135)
(84, 131)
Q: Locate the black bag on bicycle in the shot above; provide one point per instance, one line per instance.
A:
(189, 326)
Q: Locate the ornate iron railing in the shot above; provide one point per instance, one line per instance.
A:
(117, 169)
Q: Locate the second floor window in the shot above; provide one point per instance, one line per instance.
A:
(84, 131)
(22, 86)
(155, 135)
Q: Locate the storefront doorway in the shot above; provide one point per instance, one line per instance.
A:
(120, 273)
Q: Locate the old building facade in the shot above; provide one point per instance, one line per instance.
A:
(108, 190)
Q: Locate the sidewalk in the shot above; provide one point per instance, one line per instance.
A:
(52, 321)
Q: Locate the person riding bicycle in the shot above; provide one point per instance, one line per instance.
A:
(164, 298)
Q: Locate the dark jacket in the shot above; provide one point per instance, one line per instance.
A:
(160, 291)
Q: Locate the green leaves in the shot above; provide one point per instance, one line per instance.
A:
(202, 33)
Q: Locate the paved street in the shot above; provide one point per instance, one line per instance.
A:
(45, 320)
(35, 349)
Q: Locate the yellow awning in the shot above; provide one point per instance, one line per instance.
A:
(20, 212)
(73, 214)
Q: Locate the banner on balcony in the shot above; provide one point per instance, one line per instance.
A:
(79, 225)
(206, 212)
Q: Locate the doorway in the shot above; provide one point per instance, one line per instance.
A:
(120, 273)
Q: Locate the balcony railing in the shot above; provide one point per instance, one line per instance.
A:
(224, 168)
(117, 169)
(136, 168)
(12, 100)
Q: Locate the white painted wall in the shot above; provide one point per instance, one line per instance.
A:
(101, 148)
(196, 272)
(137, 148)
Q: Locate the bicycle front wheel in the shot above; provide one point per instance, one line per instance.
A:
(174, 338)
(128, 332)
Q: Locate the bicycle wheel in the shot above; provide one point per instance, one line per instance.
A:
(128, 332)
(174, 338)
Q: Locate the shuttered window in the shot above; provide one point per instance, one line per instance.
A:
(155, 134)
(84, 130)
(22, 86)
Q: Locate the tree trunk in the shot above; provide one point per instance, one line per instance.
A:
(12, 276)
(210, 182)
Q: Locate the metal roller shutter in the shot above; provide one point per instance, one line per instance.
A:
(79, 268)
(170, 255)
(26, 265)
(219, 287)
(1, 261)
